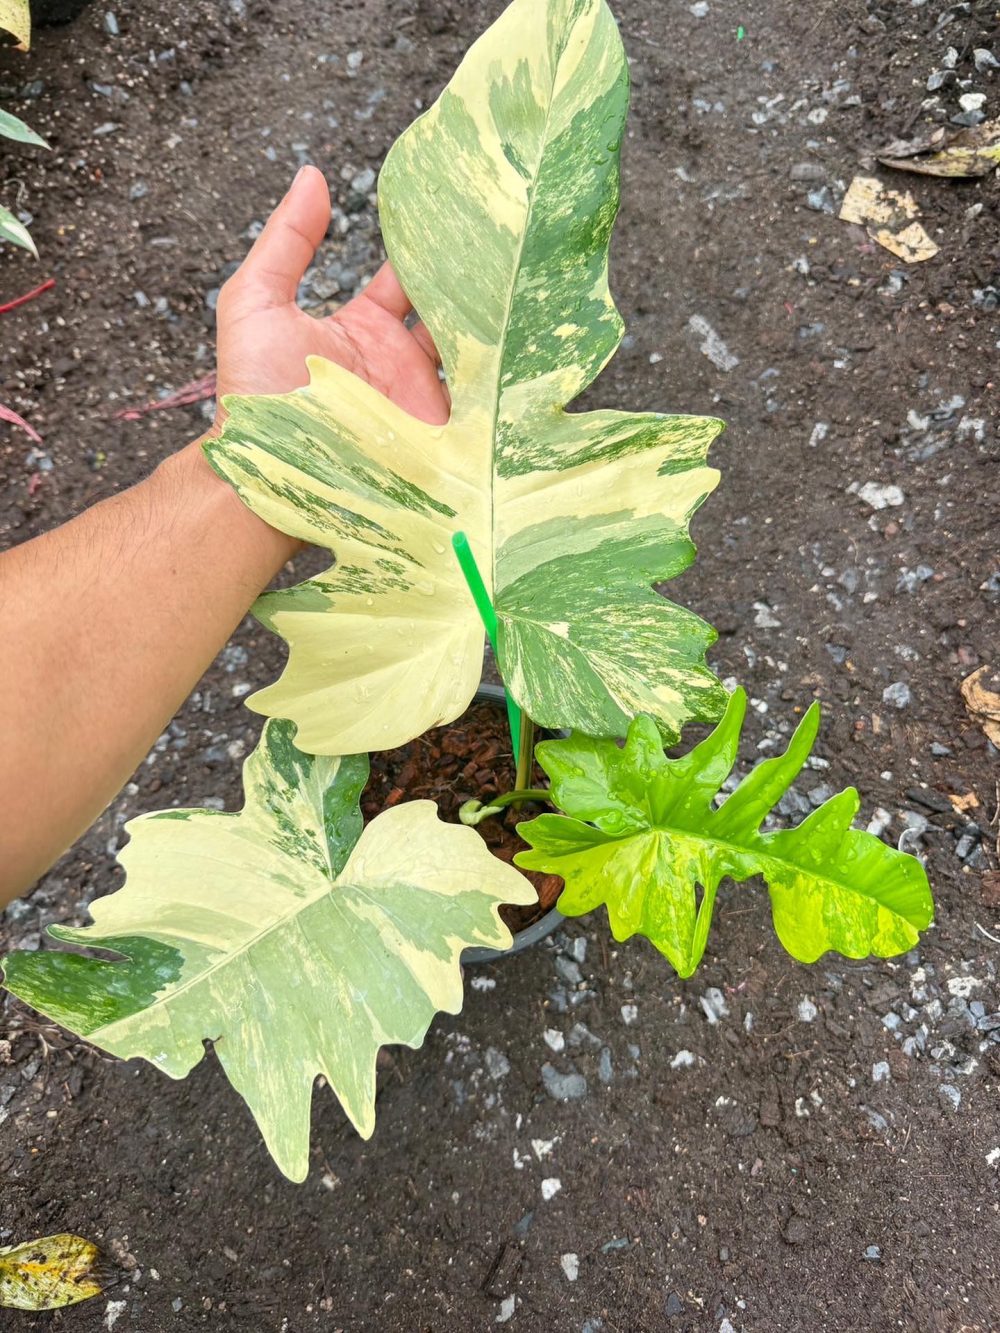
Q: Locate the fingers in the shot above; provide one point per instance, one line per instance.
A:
(388, 295)
(271, 273)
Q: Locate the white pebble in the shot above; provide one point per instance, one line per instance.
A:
(506, 1309)
(682, 1060)
(881, 497)
(807, 1010)
(554, 1040)
(114, 1312)
(570, 1266)
(630, 1014)
(551, 1187)
(880, 1072)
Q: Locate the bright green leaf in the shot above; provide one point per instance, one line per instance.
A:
(297, 946)
(11, 229)
(641, 832)
(497, 208)
(15, 18)
(13, 128)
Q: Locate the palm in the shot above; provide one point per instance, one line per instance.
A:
(266, 350)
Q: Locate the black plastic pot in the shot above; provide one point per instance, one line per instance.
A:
(51, 13)
(541, 929)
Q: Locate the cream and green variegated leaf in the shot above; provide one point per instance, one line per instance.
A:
(497, 208)
(640, 833)
(294, 940)
(15, 18)
(13, 229)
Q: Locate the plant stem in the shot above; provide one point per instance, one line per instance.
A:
(519, 797)
(525, 752)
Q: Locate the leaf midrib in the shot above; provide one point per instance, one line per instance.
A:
(765, 859)
(502, 348)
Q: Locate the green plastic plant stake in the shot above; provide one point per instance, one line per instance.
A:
(488, 615)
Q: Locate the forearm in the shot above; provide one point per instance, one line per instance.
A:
(106, 625)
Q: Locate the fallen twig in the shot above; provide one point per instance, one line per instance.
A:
(8, 414)
(28, 296)
(195, 392)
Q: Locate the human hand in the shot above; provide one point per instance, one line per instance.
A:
(264, 338)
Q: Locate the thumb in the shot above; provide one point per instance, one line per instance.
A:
(271, 273)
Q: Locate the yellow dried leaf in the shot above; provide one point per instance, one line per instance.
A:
(50, 1273)
(983, 702)
(890, 218)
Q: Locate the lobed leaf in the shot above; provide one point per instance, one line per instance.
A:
(497, 208)
(640, 833)
(296, 945)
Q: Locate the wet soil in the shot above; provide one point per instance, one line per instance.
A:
(764, 1147)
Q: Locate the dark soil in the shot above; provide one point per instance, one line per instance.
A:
(818, 1154)
(468, 761)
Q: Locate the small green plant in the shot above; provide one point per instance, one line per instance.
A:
(300, 942)
(15, 18)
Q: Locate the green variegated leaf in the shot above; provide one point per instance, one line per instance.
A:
(11, 127)
(497, 208)
(13, 230)
(640, 833)
(15, 18)
(296, 945)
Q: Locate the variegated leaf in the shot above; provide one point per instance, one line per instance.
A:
(641, 832)
(497, 208)
(15, 18)
(297, 946)
(51, 1273)
(13, 229)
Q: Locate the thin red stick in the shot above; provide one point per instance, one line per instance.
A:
(196, 392)
(29, 296)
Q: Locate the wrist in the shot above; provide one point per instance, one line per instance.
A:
(219, 508)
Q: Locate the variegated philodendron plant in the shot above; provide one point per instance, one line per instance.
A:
(300, 942)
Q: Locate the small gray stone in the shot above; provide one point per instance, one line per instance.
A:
(497, 1064)
(568, 970)
(985, 59)
(138, 191)
(364, 181)
(821, 200)
(880, 1072)
(873, 1254)
(605, 1072)
(940, 751)
(563, 1087)
(111, 24)
(897, 695)
(807, 171)
(951, 1095)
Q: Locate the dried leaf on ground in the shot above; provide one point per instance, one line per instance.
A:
(890, 218)
(981, 692)
(51, 1273)
(970, 152)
